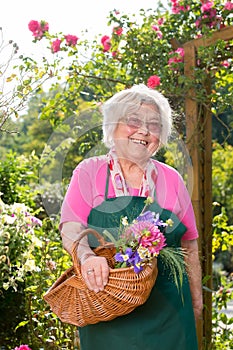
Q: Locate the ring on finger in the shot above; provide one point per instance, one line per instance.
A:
(90, 271)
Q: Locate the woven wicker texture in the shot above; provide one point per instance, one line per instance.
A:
(71, 300)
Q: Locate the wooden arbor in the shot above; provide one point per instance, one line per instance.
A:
(199, 143)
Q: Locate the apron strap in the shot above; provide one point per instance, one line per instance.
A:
(107, 183)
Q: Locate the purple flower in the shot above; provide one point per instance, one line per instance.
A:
(135, 261)
(147, 216)
(131, 258)
(124, 256)
(36, 221)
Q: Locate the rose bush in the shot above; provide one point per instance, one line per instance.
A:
(148, 50)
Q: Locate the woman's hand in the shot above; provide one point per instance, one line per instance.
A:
(194, 275)
(95, 271)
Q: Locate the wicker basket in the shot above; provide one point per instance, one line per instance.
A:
(71, 300)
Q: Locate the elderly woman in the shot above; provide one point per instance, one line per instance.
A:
(103, 189)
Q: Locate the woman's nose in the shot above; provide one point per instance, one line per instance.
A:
(143, 128)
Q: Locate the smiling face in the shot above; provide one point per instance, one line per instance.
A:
(137, 137)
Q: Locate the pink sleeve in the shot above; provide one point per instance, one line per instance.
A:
(86, 190)
(78, 199)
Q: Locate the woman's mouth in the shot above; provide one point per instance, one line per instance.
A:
(139, 142)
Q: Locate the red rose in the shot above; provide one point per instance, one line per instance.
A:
(153, 81)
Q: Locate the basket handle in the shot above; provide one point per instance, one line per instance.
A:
(83, 234)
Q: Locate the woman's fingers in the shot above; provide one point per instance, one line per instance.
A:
(95, 271)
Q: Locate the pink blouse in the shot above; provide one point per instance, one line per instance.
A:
(87, 190)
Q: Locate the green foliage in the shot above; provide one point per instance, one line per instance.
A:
(222, 324)
(45, 329)
(144, 47)
(223, 293)
(31, 260)
(18, 175)
(222, 232)
(222, 174)
(17, 238)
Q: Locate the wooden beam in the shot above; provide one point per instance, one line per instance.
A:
(223, 34)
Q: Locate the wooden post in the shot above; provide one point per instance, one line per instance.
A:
(199, 144)
(193, 138)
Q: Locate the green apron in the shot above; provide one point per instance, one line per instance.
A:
(165, 321)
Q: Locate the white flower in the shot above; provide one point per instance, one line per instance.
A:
(9, 219)
(124, 221)
(19, 208)
(29, 265)
(36, 242)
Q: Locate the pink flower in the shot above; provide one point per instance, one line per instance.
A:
(23, 347)
(44, 26)
(38, 29)
(71, 40)
(34, 26)
(198, 22)
(225, 64)
(105, 40)
(155, 27)
(118, 30)
(207, 6)
(159, 34)
(160, 21)
(177, 8)
(149, 236)
(158, 31)
(56, 45)
(180, 51)
(228, 6)
(177, 57)
(51, 265)
(153, 81)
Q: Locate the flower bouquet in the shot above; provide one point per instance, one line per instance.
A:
(143, 240)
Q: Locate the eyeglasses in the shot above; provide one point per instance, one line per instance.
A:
(152, 126)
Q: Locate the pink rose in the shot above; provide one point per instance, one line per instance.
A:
(160, 21)
(207, 6)
(71, 40)
(180, 51)
(158, 31)
(225, 64)
(153, 81)
(38, 29)
(228, 6)
(56, 45)
(159, 34)
(34, 26)
(23, 347)
(118, 31)
(155, 27)
(44, 26)
(105, 40)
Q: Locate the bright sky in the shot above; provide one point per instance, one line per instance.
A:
(69, 17)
